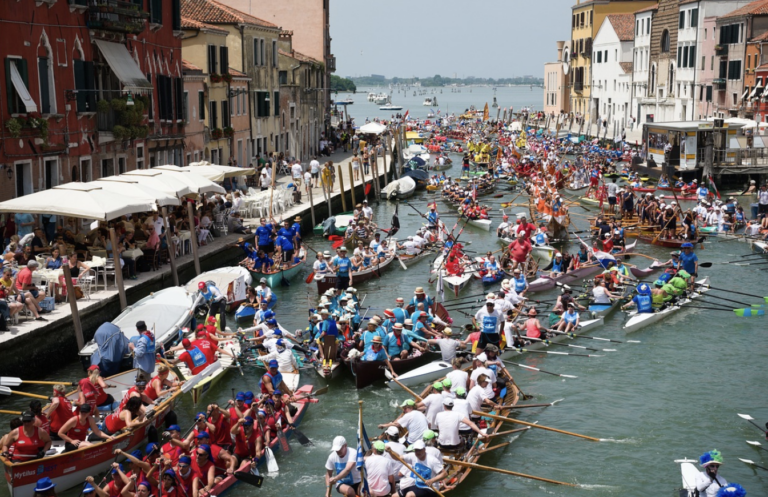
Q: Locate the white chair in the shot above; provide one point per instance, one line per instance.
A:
(86, 284)
(109, 270)
(220, 223)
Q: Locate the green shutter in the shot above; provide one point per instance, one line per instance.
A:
(10, 91)
(80, 85)
(277, 103)
(45, 96)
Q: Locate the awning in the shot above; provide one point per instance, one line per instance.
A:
(199, 184)
(216, 172)
(373, 128)
(21, 89)
(124, 67)
(746, 92)
(755, 91)
(159, 181)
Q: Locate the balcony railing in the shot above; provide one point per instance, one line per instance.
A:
(331, 63)
(115, 15)
(721, 50)
(578, 86)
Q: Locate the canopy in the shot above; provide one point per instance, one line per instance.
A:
(199, 184)
(417, 161)
(373, 128)
(417, 149)
(81, 200)
(124, 67)
(135, 190)
(215, 172)
(159, 181)
(112, 347)
(417, 174)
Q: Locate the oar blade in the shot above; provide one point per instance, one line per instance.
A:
(749, 312)
(747, 461)
(321, 391)
(754, 442)
(745, 416)
(310, 278)
(255, 480)
(5, 391)
(302, 438)
(10, 381)
(272, 466)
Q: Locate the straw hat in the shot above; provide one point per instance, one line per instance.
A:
(419, 290)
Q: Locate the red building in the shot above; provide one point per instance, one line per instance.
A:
(90, 88)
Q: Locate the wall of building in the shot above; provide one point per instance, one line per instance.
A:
(194, 128)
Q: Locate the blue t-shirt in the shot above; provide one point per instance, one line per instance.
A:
(644, 303)
(296, 228)
(265, 261)
(390, 342)
(23, 218)
(344, 265)
(689, 262)
(263, 233)
(286, 232)
(371, 355)
(329, 327)
(283, 243)
(401, 314)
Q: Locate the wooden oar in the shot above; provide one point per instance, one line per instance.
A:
(414, 394)
(13, 413)
(399, 459)
(751, 421)
(505, 471)
(532, 425)
(8, 391)
(752, 463)
(12, 381)
(755, 443)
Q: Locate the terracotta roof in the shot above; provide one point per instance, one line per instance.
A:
(762, 37)
(187, 23)
(626, 67)
(684, 2)
(213, 12)
(237, 74)
(647, 9)
(188, 66)
(764, 66)
(624, 25)
(760, 7)
(298, 56)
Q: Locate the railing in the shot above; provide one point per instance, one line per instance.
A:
(578, 86)
(721, 50)
(115, 15)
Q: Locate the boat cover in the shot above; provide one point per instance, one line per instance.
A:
(112, 347)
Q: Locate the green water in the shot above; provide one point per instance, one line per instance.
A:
(674, 395)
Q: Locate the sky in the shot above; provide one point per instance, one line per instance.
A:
(483, 38)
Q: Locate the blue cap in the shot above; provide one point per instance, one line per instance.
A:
(170, 472)
(273, 363)
(686, 245)
(248, 394)
(262, 412)
(145, 483)
(185, 460)
(240, 396)
(137, 454)
(278, 331)
(150, 447)
(272, 322)
(203, 434)
(44, 484)
(269, 315)
(114, 470)
(197, 416)
(174, 428)
(88, 488)
(280, 342)
(248, 421)
(206, 448)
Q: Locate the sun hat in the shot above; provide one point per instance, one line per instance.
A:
(419, 290)
(429, 434)
(644, 289)
(711, 457)
(377, 339)
(44, 484)
(447, 332)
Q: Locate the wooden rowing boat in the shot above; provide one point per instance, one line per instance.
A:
(326, 281)
(69, 469)
(368, 372)
(227, 362)
(274, 278)
(231, 281)
(674, 243)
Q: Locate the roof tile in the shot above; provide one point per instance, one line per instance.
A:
(188, 66)
(649, 8)
(624, 25)
(760, 7)
(213, 12)
(187, 23)
(626, 67)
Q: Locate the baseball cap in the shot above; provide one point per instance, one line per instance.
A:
(273, 364)
(392, 430)
(408, 403)
(379, 445)
(338, 443)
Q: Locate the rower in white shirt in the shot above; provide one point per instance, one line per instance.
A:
(409, 246)
(503, 228)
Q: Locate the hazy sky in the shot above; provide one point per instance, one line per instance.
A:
(484, 38)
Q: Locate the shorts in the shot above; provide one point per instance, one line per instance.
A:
(594, 181)
(268, 248)
(342, 282)
(417, 491)
(356, 486)
(762, 208)
(315, 175)
(33, 292)
(611, 200)
(488, 338)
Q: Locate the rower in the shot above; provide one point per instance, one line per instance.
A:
(481, 369)
(272, 380)
(478, 397)
(489, 321)
(342, 265)
(28, 441)
(91, 390)
(689, 262)
(131, 415)
(432, 216)
(196, 357)
(144, 351)
(448, 345)
(41, 420)
(378, 471)
(188, 480)
(490, 357)
(642, 300)
(420, 296)
(658, 296)
(515, 294)
(708, 482)
(398, 344)
(421, 327)
(432, 403)
(372, 332)
(679, 282)
(160, 383)
(328, 336)
(412, 420)
(221, 424)
(248, 441)
(216, 301)
(501, 230)
(569, 320)
(447, 423)
(264, 293)
(343, 462)
(59, 411)
(75, 431)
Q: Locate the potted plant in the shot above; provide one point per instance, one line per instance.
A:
(216, 133)
(103, 106)
(13, 125)
(229, 132)
(226, 77)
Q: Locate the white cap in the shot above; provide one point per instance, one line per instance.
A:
(448, 402)
(392, 430)
(338, 443)
(419, 445)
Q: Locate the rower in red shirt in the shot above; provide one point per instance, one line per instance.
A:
(248, 441)
(41, 420)
(525, 228)
(221, 423)
(28, 441)
(159, 383)
(60, 410)
(188, 478)
(239, 409)
(173, 449)
(195, 357)
(608, 243)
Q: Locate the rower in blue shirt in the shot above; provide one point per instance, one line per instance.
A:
(287, 231)
(296, 227)
(373, 331)
(285, 247)
(401, 313)
(642, 300)
(419, 297)
(328, 335)
(263, 236)
(398, 344)
(432, 216)
(342, 265)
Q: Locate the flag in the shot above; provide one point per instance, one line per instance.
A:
(438, 112)
(712, 187)
(405, 117)
(440, 289)
(603, 258)
(485, 112)
(395, 223)
(363, 446)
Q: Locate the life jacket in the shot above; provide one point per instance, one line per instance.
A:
(197, 360)
(26, 447)
(644, 304)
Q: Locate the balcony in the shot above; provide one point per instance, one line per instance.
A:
(115, 15)
(331, 63)
(719, 83)
(721, 50)
(578, 86)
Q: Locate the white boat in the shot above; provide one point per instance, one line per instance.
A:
(347, 101)
(391, 107)
(689, 472)
(371, 96)
(165, 312)
(483, 224)
(427, 102)
(399, 189)
(543, 254)
(760, 247)
(227, 363)
(409, 260)
(423, 374)
(416, 150)
(454, 283)
(232, 281)
(638, 321)
(381, 99)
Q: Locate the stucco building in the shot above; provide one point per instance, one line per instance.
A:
(556, 82)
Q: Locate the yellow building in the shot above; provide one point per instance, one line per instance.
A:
(586, 19)
(205, 46)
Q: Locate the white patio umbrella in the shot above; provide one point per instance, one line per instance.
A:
(159, 181)
(198, 183)
(136, 190)
(215, 172)
(81, 200)
(373, 128)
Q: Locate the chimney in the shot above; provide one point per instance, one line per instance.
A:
(560, 45)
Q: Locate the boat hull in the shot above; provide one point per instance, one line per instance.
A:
(329, 280)
(369, 372)
(423, 374)
(639, 321)
(275, 279)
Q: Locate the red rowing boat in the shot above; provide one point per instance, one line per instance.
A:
(644, 190)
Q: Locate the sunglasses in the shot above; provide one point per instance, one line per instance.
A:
(202, 454)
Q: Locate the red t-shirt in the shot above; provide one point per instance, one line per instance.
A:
(89, 392)
(23, 278)
(206, 347)
(221, 435)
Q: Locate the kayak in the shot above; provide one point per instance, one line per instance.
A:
(638, 320)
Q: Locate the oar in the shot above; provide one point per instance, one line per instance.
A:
(752, 463)
(751, 255)
(12, 381)
(525, 406)
(549, 342)
(573, 335)
(745, 263)
(506, 472)
(751, 421)
(249, 478)
(707, 295)
(532, 425)
(399, 459)
(302, 438)
(8, 391)
(734, 291)
(414, 394)
(742, 313)
(754, 443)
(553, 352)
(14, 413)
(540, 370)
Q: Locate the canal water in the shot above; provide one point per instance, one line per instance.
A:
(674, 395)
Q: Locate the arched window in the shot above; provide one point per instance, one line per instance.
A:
(665, 41)
(45, 76)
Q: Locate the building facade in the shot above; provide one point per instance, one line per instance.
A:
(641, 56)
(195, 102)
(556, 83)
(612, 73)
(91, 89)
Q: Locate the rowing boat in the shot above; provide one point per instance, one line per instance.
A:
(275, 278)
(69, 469)
(326, 281)
(603, 310)
(341, 222)
(455, 283)
(690, 475)
(368, 372)
(227, 363)
(674, 243)
(638, 320)
(410, 260)
(246, 312)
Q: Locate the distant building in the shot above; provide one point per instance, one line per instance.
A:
(612, 73)
(556, 90)
(378, 77)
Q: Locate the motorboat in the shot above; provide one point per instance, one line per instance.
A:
(391, 106)
(381, 98)
(166, 313)
(231, 281)
(399, 189)
(416, 150)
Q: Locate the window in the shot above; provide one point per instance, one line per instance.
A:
(734, 69)
(730, 34)
(51, 173)
(680, 56)
(237, 99)
(695, 19)
(201, 104)
(274, 53)
(703, 61)
(84, 84)
(226, 119)
(214, 156)
(723, 73)
(214, 122)
(120, 165)
(224, 59)
(24, 179)
(185, 107)
(85, 170)
(599, 57)
(140, 156)
(211, 59)
(681, 22)
(705, 30)
(262, 104)
(665, 41)
(16, 87)
(749, 61)
(709, 93)
(179, 99)
(156, 11)
(107, 167)
(176, 9)
(282, 77)
(637, 28)
(277, 103)
(45, 81)
(263, 54)
(256, 52)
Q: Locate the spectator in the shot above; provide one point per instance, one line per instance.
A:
(297, 172)
(23, 257)
(314, 168)
(24, 223)
(39, 242)
(235, 224)
(9, 231)
(28, 290)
